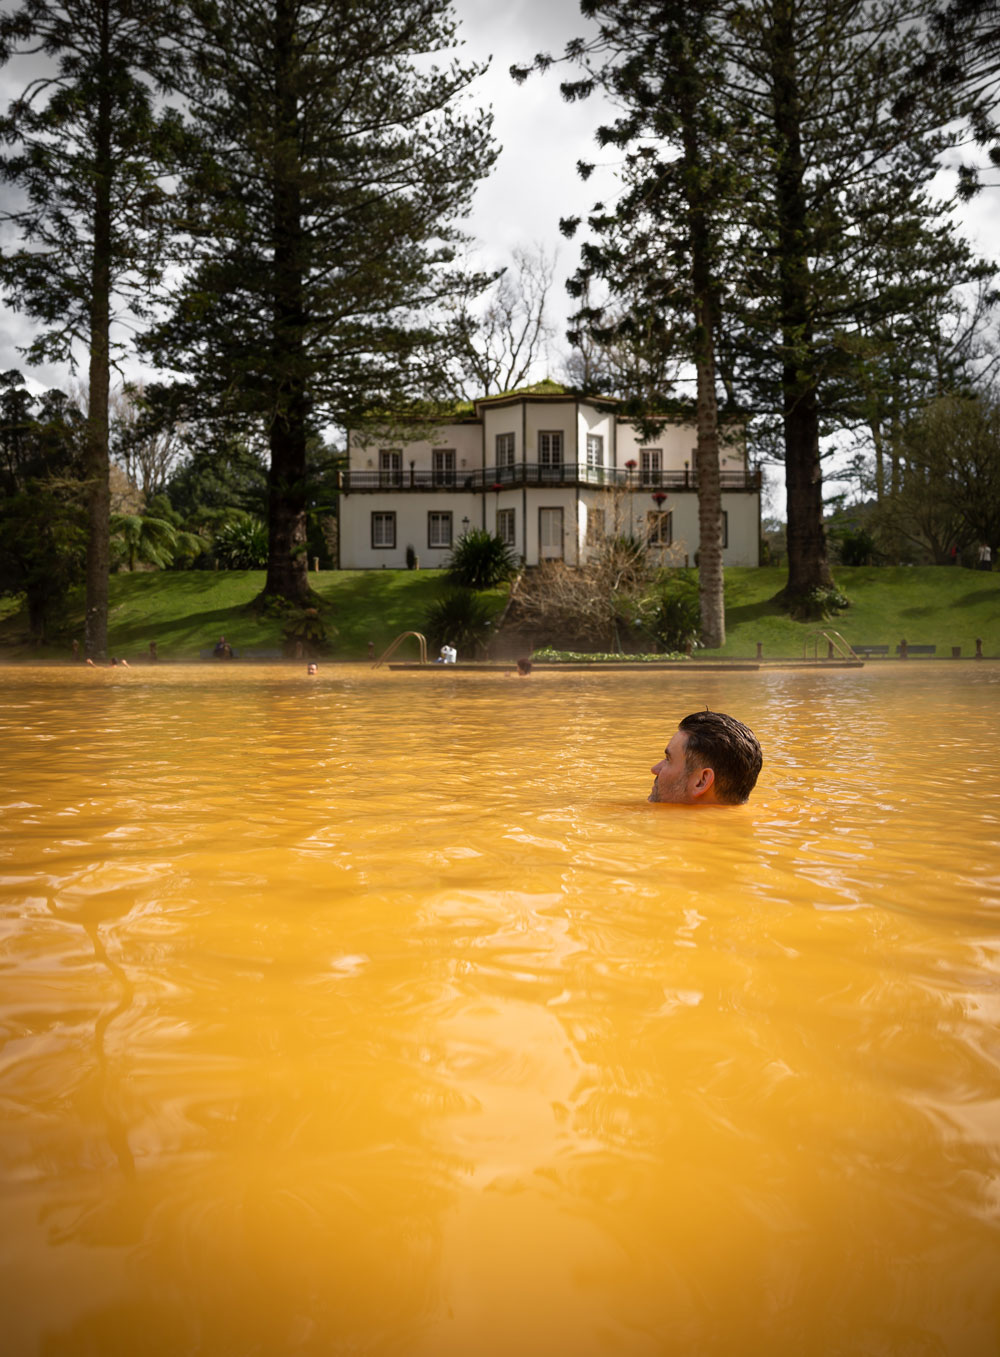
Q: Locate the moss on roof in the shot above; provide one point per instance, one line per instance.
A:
(544, 388)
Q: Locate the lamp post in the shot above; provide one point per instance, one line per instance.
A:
(465, 525)
(658, 499)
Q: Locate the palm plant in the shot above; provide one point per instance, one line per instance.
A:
(481, 560)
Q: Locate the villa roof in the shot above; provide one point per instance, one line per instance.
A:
(546, 390)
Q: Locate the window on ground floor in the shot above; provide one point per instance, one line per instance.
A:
(660, 528)
(596, 529)
(550, 534)
(439, 529)
(506, 527)
(383, 530)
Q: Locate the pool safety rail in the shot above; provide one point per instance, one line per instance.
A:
(836, 647)
(421, 641)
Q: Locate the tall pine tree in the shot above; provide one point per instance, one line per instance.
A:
(808, 157)
(335, 165)
(836, 161)
(659, 249)
(88, 161)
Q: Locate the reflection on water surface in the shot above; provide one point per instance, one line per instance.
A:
(378, 1012)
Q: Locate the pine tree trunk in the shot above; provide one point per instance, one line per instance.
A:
(808, 565)
(711, 580)
(288, 561)
(96, 462)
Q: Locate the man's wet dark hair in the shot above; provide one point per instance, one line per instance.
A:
(728, 747)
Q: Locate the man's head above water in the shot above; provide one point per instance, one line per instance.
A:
(713, 759)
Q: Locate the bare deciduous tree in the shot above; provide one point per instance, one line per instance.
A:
(147, 451)
(595, 604)
(500, 340)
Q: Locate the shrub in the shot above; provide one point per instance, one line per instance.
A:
(241, 544)
(818, 604)
(305, 627)
(672, 614)
(460, 618)
(858, 547)
(480, 560)
(549, 655)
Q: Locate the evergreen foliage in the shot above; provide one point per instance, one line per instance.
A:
(334, 164)
(787, 152)
(241, 544)
(671, 614)
(90, 153)
(949, 491)
(43, 519)
(460, 618)
(481, 560)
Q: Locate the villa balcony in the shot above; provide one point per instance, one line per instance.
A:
(536, 473)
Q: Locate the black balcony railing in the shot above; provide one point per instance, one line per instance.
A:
(539, 473)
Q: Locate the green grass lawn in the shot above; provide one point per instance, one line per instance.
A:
(928, 605)
(186, 611)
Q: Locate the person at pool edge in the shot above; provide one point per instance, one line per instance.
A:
(711, 760)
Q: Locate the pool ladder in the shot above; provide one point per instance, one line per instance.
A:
(394, 646)
(836, 647)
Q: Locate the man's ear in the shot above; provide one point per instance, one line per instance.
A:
(704, 782)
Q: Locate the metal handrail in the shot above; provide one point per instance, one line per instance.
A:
(537, 473)
(835, 642)
(402, 637)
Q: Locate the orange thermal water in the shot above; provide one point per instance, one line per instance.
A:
(378, 1012)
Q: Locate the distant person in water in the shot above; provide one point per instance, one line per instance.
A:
(223, 650)
(712, 760)
(312, 669)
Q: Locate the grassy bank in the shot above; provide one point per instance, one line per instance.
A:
(928, 605)
(185, 612)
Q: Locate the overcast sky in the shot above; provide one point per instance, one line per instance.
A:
(534, 182)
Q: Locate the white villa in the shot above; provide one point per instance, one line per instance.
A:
(550, 472)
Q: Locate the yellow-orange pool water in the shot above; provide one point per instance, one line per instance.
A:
(379, 1013)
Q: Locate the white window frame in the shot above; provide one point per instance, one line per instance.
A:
(390, 467)
(595, 451)
(440, 525)
(558, 517)
(383, 519)
(443, 462)
(650, 466)
(550, 453)
(505, 449)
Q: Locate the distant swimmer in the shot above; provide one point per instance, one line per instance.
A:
(313, 669)
(712, 760)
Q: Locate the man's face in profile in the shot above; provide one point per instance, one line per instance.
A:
(673, 781)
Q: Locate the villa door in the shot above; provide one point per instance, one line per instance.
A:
(390, 469)
(550, 534)
(550, 456)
